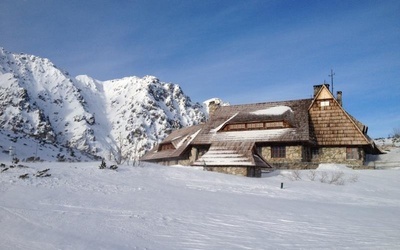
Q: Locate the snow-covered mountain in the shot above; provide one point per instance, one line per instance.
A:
(110, 118)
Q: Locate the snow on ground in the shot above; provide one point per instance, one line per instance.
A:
(391, 158)
(154, 207)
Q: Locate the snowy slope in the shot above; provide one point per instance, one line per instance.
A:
(82, 207)
(391, 158)
(28, 149)
(128, 115)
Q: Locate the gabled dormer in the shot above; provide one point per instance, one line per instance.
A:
(166, 146)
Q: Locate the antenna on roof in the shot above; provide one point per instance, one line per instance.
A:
(331, 76)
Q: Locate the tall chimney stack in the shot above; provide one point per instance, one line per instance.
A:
(212, 106)
(339, 97)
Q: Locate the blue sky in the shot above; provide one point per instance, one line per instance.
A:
(242, 51)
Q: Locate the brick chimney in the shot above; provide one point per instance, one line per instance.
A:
(339, 97)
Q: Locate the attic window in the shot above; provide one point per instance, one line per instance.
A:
(255, 125)
(167, 146)
(324, 104)
(271, 125)
(237, 126)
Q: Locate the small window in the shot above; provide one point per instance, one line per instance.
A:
(272, 125)
(237, 126)
(314, 152)
(324, 103)
(167, 146)
(278, 152)
(255, 125)
(352, 154)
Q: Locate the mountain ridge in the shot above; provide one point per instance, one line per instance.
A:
(111, 119)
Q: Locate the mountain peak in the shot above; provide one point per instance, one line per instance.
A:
(99, 117)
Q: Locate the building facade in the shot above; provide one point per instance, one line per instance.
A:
(247, 139)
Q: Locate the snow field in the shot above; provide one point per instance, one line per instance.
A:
(154, 207)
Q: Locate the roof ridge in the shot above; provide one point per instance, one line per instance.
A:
(271, 102)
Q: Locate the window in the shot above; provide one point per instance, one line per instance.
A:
(274, 124)
(278, 152)
(324, 103)
(255, 125)
(352, 154)
(167, 146)
(237, 126)
(314, 152)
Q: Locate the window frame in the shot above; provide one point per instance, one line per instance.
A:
(278, 151)
(315, 152)
(255, 125)
(352, 153)
(237, 126)
(166, 146)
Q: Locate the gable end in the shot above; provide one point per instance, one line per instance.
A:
(330, 123)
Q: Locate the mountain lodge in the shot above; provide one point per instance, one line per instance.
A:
(246, 139)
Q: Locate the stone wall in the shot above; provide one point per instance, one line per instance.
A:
(183, 162)
(229, 170)
(196, 152)
(338, 155)
(293, 154)
(296, 157)
(194, 155)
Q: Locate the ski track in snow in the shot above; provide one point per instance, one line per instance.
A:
(82, 207)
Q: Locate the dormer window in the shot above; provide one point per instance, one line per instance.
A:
(256, 125)
(166, 146)
(237, 126)
(272, 125)
(275, 117)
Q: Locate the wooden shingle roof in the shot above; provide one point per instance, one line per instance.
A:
(294, 113)
(231, 154)
(297, 118)
(180, 139)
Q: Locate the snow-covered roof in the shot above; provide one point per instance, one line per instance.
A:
(253, 135)
(278, 110)
(240, 143)
(294, 113)
(181, 139)
(231, 154)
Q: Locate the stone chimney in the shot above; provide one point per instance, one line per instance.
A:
(318, 87)
(212, 106)
(339, 97)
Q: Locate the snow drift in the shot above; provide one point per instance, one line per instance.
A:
(79, 206)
